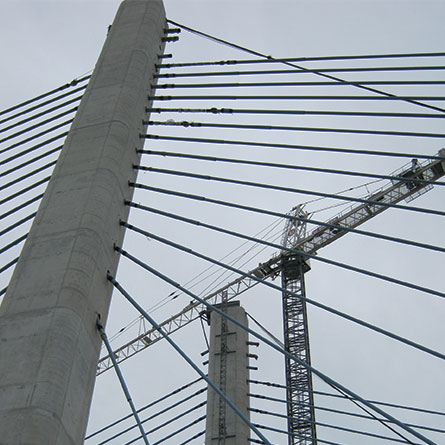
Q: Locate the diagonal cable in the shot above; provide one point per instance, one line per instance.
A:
(284, 215)
(299, 67)
(285, 166)
(233, 126)
(288, 189)
(303, 59)
(121, 380)
(186, 357)
(260, 337)
(290, 146)
(274, 286)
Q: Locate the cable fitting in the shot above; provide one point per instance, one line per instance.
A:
(172, 31)
(170, 39)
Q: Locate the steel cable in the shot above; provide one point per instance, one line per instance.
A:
(289, 146)
(192, 124)
(303, 59)
(285, 166)
(255, 334)
(286, 216)
(341, 314)
(290, 189)
(73, 83)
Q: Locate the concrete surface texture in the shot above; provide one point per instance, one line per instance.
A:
(49, 344)
(236, 381)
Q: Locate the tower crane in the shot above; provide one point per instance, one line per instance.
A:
(406, 184)
(299, 393)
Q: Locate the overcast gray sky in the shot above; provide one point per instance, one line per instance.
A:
(47, 43)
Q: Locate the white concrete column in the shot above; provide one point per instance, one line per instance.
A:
(49, 344)
(228, 367)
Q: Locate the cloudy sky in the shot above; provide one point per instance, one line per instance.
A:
(48, 43)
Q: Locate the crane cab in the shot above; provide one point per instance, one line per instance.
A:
(294, 266)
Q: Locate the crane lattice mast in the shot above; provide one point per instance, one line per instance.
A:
(299, 394)
(299, 389)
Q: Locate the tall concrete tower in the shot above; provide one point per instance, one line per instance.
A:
(49, 345)
(228, 368)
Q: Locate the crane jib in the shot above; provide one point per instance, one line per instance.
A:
(406, 185)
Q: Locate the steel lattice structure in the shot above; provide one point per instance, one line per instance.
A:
(299, 394)
(406, 184)
(397, 190)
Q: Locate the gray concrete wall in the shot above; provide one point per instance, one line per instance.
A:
(49, 344)
(237, 387)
